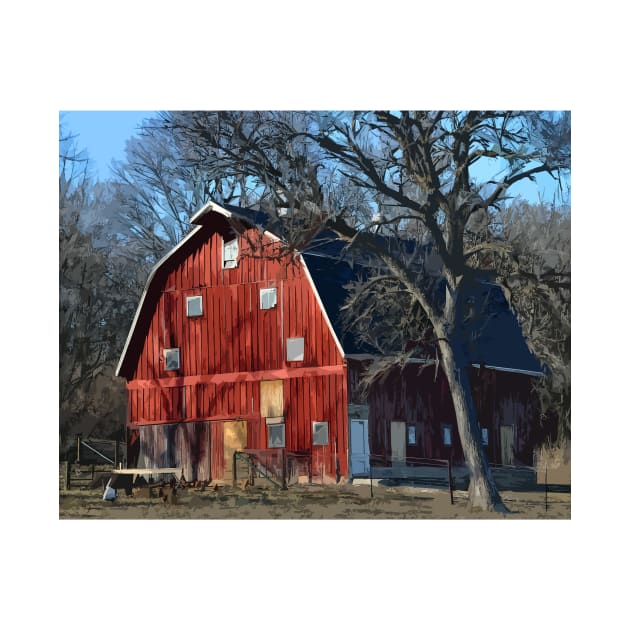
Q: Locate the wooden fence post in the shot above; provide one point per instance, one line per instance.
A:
(450, 479)
(234, 469)
(546, 489)
(284, 469)
(370, 467)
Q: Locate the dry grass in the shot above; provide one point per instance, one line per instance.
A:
(310, 502)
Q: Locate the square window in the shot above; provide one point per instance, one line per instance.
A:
(295, 349)
(484, 436)
(320, 433)
(171, 359)
(268, 298)
(446, 436)
(275, 420)
(230, 253)
(411, 435)
(194, 306)
(275, 436)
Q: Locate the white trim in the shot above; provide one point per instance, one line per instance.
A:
(146, 289)
(210, 207)
(505, 369)
(370, 357)
(321, 305)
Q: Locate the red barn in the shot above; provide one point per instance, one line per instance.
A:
(237, 344)
(231, 348)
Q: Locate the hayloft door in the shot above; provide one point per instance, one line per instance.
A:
(507, 444)
(234, 439)
(360, 450)
(399, 443)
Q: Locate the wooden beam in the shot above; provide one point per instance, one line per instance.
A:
(236, 377)
(147, 471)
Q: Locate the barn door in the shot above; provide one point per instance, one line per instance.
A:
(234, 439)
(271, 399)
(360, 450)
(399, 443)
(507, 444)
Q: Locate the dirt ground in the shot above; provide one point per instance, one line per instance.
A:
(307, 502)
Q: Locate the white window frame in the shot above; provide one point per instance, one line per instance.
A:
(267, 292)
(230, 263)
(189, 301)
(320, 424)
(171, 352)
(273, 427)
(291, 341)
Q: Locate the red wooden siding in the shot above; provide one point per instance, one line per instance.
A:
(234, 334)
(233, 345)
(419, 398)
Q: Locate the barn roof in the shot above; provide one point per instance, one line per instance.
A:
(495, 341)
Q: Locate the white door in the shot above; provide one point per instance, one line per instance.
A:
(360, 450)
(399, 443)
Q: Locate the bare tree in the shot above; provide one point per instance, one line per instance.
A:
(97, 297)
(536, 273)
(415, 172)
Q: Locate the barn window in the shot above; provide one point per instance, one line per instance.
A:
(447, 437)
(268, 298)
(320, 433)
(230, 253)
(275, 420)
(484, 436)
(275, 436)
(171, 359)
(411, 435)
(295, 349)
(194, 306)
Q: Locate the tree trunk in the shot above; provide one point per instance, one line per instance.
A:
(482, 492)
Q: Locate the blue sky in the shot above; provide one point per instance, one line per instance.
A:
(103, 135)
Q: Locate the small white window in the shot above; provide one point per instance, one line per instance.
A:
(194, 306)
(275, 436)
(171, 359)
(446, 436)
(230, 253)
(295, 349)
(268, 298)
(320, 433)
(411, 434)
(484, 436)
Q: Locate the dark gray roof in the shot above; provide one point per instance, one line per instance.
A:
(494, 339)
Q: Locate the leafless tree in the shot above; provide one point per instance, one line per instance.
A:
(413, 172)
(97, 296)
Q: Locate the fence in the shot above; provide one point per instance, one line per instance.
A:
(418, 470)
(83, 477)
(95, 451)
(281, 467)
